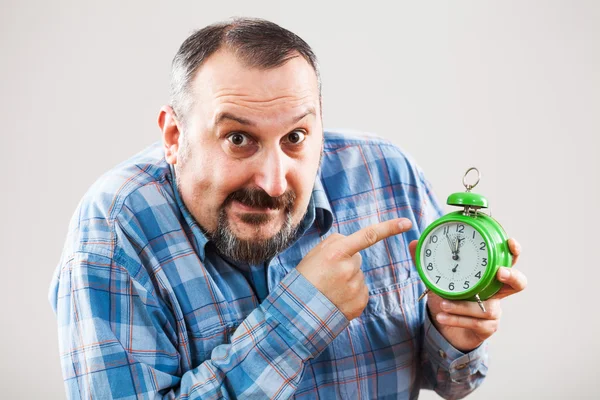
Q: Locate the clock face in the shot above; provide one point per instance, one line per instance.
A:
(454, 256)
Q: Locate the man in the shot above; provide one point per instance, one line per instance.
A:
(251, 255)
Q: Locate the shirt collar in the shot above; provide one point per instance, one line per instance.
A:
(323, 214)
(319, 211)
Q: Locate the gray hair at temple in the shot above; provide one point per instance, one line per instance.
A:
(256, 42)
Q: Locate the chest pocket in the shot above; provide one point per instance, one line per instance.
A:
(392, 318)
(202, 342)
(385, 338)
(214, 325)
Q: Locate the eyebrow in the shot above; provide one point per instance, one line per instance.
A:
(243, 121)
(225, 115)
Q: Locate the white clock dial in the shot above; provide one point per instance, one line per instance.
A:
(454, 257)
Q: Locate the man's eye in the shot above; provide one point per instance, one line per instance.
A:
(296, 137)
(238, 139)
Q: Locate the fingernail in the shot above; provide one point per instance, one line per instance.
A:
(442, 317)
(405, 224)
(446, 305)
(504, 274)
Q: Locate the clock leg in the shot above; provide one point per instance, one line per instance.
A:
(423, 295)
(480, 303)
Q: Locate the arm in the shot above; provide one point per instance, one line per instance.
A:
(454, 350)
(449, 372)
(460, 326)
(118, 339)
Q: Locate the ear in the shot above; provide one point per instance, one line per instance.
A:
(167, 121)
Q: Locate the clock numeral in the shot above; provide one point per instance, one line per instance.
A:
(484, 263)
(438, 279)
(478, 275)
(474, 233)
(482, 246)
(428, 253)
(429, 267)
(460, 228)
(451, 286)
(466, 286)
(446, 229)
(433, 239)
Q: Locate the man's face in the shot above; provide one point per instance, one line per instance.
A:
(250, 152)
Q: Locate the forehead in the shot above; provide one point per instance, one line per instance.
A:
(224, 81)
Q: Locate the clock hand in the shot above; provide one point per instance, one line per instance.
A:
(457, 241)
(454, 252)
(458, 244)
(449, 244)
(454, 269)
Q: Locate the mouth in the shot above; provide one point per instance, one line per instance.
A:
(252, 216)
(237, 206)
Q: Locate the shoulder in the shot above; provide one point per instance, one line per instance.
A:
(336, 138)
(106, 196)
(114, 221)
(369, 156)
(122, 192)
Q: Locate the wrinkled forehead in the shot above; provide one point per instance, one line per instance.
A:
(224, 83)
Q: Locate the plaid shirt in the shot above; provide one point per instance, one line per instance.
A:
(146, 308)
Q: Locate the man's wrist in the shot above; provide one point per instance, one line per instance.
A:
(459, 364)
(440, 328)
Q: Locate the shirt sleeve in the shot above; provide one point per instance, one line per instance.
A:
(450, 372)
(118, 340)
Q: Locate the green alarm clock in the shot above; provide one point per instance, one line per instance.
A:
(459, 254)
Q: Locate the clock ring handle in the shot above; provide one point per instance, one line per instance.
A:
(471, 186)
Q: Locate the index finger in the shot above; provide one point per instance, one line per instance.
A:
(367, 237)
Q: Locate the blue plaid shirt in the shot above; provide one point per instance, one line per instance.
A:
(146, 308)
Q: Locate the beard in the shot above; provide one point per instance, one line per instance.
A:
(258, 250)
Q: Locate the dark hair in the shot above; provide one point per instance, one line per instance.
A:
(256, 42)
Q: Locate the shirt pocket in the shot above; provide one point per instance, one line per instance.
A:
(203, 342)
(382, 344)
(396, 303)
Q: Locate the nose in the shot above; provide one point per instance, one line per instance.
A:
(271, 172)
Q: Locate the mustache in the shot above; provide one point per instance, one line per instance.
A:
(255, 197)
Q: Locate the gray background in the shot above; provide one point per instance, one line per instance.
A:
(512, 87)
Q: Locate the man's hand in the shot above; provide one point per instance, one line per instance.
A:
(333, 266)
(462, 323)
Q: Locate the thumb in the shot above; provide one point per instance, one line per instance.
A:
(412, 247)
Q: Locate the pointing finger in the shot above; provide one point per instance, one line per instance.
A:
(370, 235)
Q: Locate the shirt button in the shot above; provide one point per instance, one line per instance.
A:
(461, 366)
(441, 353)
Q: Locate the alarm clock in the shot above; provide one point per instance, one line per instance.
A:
(459, 254)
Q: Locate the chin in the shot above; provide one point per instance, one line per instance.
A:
(251, 232)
